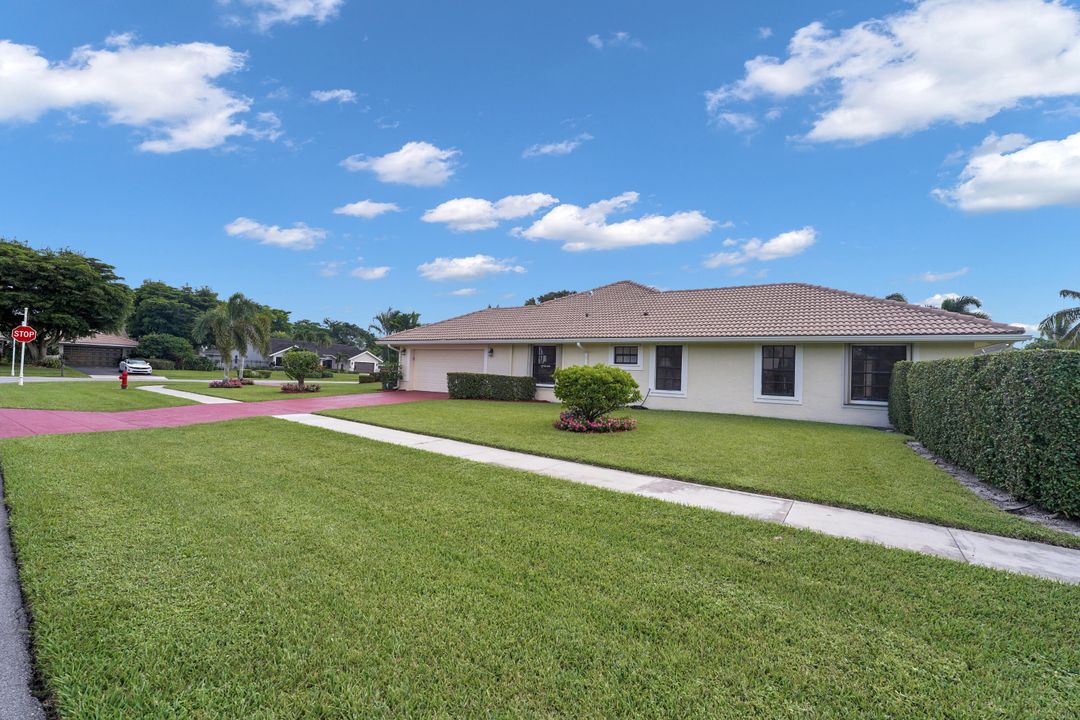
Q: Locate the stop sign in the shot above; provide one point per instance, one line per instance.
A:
(24, 334)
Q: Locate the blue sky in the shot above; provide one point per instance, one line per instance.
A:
(926, 148)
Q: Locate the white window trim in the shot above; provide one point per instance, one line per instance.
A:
(685, 372)
(847, 374)
(532, 360)
(624, 366)
(779, 399)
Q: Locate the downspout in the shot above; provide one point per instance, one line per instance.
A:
(582, 349)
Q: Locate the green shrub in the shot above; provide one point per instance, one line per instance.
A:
(1012, 418)
(593, 391)
(48, 362)
(300, 365)
(196, 362)
(478, 386)
(899, 399)
(390, 376)
(161, 363)
(367, 378)
(264, 374)
(163, 345)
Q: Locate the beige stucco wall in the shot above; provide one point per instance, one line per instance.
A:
(721, 378)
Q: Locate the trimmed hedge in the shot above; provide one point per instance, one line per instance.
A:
(899, 399)
(161, 363)
(1012, 418)
(477, 386)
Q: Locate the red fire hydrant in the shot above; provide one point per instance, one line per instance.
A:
(123, 380)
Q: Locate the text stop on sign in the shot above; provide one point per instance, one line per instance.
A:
(24, 334)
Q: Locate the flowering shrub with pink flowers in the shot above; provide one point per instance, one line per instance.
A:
(298, 388)
(574, 422)
(232, 384)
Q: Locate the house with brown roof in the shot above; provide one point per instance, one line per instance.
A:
(787, 350)
(100, 350)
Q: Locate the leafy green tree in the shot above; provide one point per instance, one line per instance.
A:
(250, 326)
(548, 296)
(162, 345)
(1063, 327)
(161, 315)
(311, 331)
(279, 322)
(964, 305)
(69, 294)
(898, 297)
(214, 329)
(300, 365)
(593, 391)
(348, 333)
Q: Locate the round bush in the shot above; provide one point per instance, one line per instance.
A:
(300, 365)
(592, 391)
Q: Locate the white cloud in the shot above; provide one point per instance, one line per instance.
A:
(464, 292)
(739, 122)
(783, 245)
(466, 268)
(366, 209)
(958, 61)
(939, 276)
(1029, 328)
(764, 33)
(169, 91)
(340, 96)
(330, 268)
(936, 299)
(1013, 173)
(271, 12)
(587, 228)
(615, 39)
(564, 147)
(298, 237)
(370, 273)
(469, 214)
(420, 164)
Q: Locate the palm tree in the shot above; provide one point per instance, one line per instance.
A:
(898, 297)
(250, 324)
(1064, 325)
(393, 321)
(214, 328)
(963, 305)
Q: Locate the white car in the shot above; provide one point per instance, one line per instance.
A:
(138, 367)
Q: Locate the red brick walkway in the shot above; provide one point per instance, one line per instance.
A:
(20, 423)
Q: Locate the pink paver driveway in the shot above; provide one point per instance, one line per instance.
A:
(20, 423)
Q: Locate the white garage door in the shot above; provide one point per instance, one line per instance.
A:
(429, 367)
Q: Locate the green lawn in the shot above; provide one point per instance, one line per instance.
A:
(255, 393)
(216, 374)
(840, 465)
(215, 571)
(5, 371)
(87, 395)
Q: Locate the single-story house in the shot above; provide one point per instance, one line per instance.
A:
(787, 350)
(333, 357)
(365, 362)
(99, 350)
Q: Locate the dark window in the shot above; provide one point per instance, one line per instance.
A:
(669, 367)
(871, 370)
(778, 370)
(626, 355)
(543, 364)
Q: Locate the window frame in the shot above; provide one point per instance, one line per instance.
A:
(532, 364)
(624, 366)
(849, 367)
(683, 374)
(760, 397)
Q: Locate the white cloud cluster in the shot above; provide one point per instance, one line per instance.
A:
(1013, 173)
(297, 237)
(466, 268)
(464, 292)
(370, 273)
(340, 96)
(417, 163)
(939, 276)
(366, 209)
(936, 299)
(268, 13)
(167, 90)
(783, 245)
(957, 61)
(564, 147)
(587, 228)
(469, 214)
(615, 39)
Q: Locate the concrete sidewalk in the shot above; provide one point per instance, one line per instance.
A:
(992, 551)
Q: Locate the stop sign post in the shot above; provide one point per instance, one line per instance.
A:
(22, 335)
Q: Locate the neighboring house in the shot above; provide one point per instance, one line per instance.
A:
(333, 357)
(365, 362)
(787, 350)
(98, 350)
